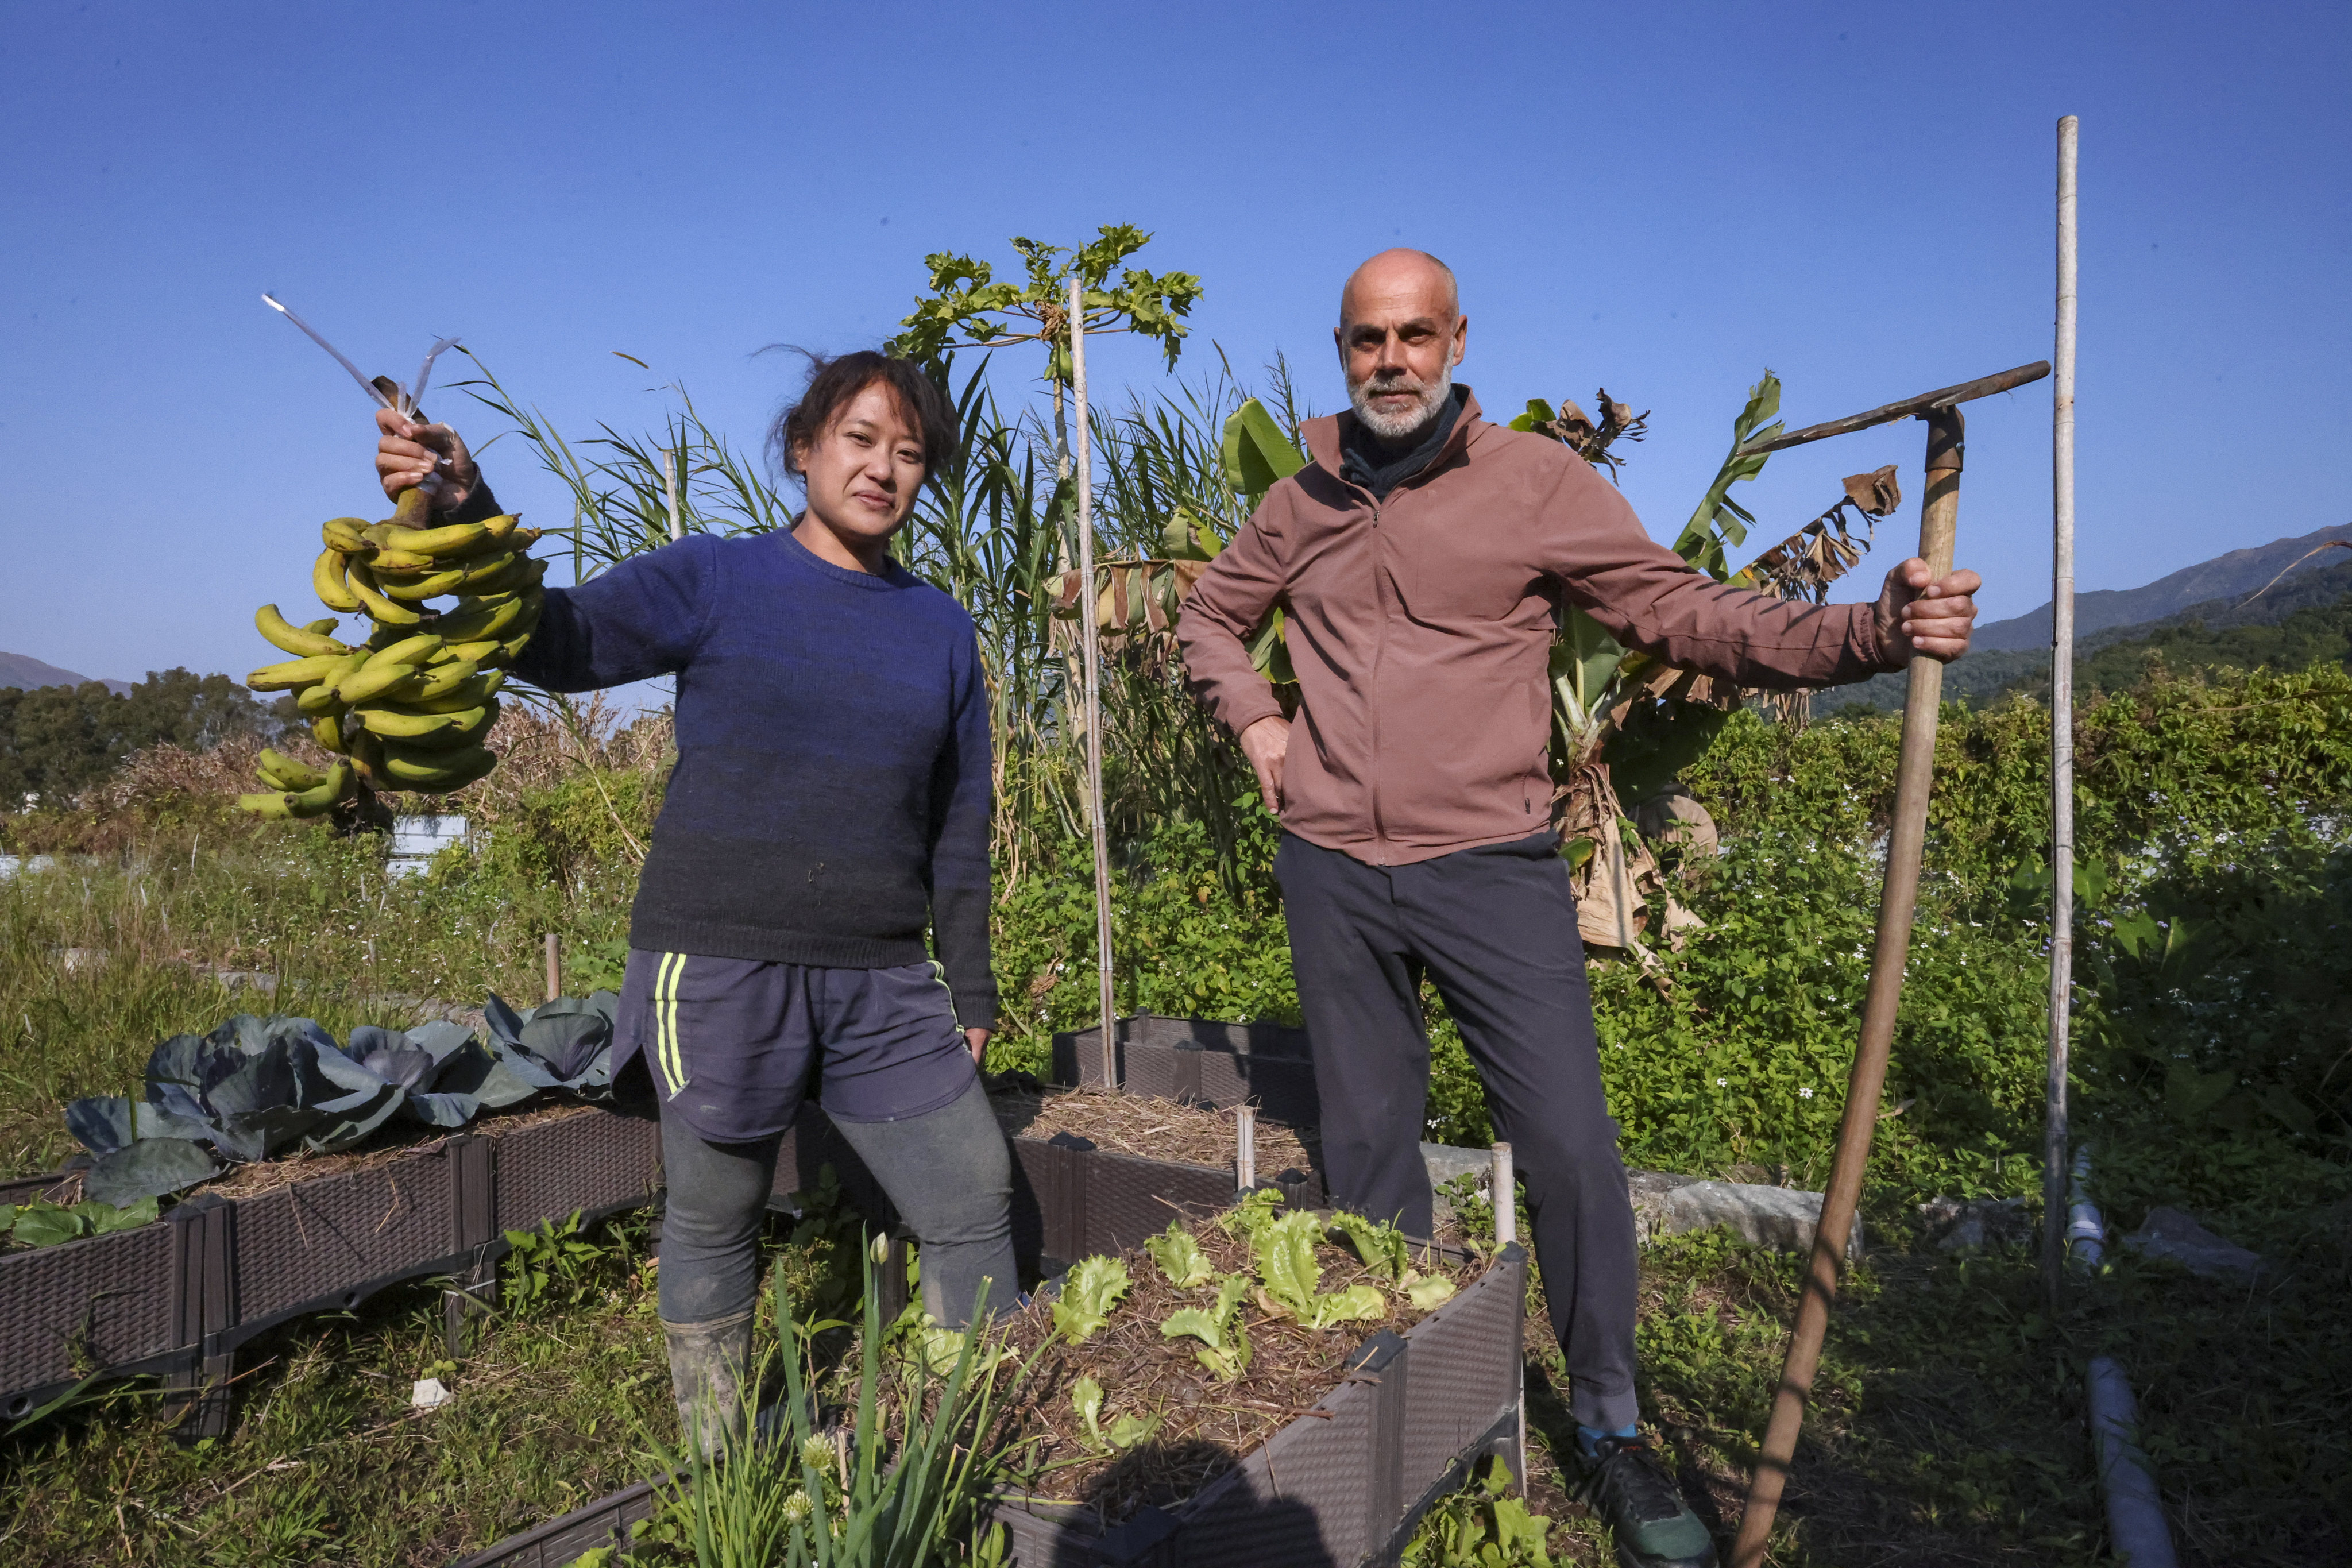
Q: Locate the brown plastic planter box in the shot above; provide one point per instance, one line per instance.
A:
(1190, 1059)
(180, 1295)
(1401, 1430)
(1070, 1199)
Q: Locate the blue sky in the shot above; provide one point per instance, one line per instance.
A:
(1663, 200)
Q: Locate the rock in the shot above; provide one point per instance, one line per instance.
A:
(430, 1393)
(82, 960)
(1446, 1162)
(1958, 1225)
(1779, 1217)
(2169, 1233)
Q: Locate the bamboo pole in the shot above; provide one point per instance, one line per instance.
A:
(554, 966)
(2061, 729)
(1091, 652)
(1914, 772)
(669, 484)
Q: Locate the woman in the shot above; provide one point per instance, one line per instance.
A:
(831, 801)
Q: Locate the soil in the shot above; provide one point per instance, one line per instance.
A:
(1153, 1129)
(382, 1149)
(1206, 1426)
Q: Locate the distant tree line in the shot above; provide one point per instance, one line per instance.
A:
(56, 741)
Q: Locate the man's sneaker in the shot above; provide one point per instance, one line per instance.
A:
(1625, 1484)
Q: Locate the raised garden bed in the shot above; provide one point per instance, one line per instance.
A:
(1338, 1469)
(180, 1295)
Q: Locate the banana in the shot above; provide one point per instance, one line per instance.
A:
(275, 804)
(334, 786)
(385, 612)
(323, 626)
(447, 689)
(421, 730)
(327, 729)
(284, 773)
(327, 582)
(423, 588)
(292, 673)
(411, 509)
(365, 751)
(474, 620)
(342, 535)
(520, 572)
(380, 680)
(468, 652)
(407, 650)
(444, 540)
(313, 701)
(294, 639)
(507, 651)
(401, 563)
(436, 772)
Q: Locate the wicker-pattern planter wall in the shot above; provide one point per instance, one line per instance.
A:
(1188, 1059)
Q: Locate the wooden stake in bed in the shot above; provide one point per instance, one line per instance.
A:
(1915, 771)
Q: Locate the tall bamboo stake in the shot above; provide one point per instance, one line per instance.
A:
(669, 485)
(1915, 770)
(1091, 654)
(2061, 729)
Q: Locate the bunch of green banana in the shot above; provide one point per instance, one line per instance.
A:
(408, 706)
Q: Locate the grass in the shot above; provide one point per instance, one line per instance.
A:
(1948, 1427)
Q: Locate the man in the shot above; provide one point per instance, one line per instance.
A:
(1420, 558)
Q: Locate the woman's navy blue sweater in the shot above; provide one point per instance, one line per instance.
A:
(830, 797)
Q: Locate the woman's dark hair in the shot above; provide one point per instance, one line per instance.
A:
(835, 383)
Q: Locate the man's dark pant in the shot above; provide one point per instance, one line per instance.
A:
(1496, 929)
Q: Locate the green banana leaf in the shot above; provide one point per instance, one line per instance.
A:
(1720, 523)
(1257, 453)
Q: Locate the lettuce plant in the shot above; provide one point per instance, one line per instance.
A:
(1225, 1342)
(1089, 1294)
(1126, 1432)
(44, 1224)
(1180, 1257)
(1289, 1275)
(1385, 1253)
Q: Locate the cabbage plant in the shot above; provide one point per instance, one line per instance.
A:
(564, 1044)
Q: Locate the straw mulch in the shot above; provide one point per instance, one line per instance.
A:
(1152, 1128)
(1205, 1426)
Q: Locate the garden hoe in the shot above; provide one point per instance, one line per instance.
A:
(1938, 521)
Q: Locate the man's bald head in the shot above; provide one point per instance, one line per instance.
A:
(1401, 277)
(1400, 333)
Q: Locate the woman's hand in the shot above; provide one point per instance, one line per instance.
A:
(979, 1041)
(408, 455)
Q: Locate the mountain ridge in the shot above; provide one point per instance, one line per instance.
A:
(24, 671)
(2233, 574)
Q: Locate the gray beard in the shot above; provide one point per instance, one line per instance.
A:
(1391, 428)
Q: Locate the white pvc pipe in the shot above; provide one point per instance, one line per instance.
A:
(2086, 1233)
(2062, 717)
(1245, 1148)
(2136, 1533)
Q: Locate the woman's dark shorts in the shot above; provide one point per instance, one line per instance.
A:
(734, 1045)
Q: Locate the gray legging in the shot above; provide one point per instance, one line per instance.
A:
(949, 1172)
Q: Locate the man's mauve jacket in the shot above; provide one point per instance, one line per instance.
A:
(1421, 629)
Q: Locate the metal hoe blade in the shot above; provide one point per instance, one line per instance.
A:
(1927, 403)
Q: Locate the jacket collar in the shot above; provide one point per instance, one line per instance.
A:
(1327, 436)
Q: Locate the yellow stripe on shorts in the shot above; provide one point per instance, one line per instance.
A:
(665, 1047)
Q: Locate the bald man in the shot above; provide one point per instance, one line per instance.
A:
(1422, 559)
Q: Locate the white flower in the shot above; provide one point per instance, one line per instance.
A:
(1804, 1094)
(1723, 1083)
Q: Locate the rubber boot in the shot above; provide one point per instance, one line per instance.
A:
(707, 1374)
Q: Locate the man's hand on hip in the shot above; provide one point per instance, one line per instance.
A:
(1917, 613)
(1266, 745)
